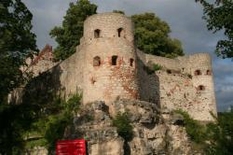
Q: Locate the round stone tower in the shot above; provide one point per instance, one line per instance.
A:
(202, 77)
(109, 59)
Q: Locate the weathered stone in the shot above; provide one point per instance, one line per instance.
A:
(98, 105)
(37, 151)
(147, 118)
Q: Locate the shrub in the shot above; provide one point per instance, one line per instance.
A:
(194, 129)
(53, 121)
(152, 68)
(124, 128)
(157, 67)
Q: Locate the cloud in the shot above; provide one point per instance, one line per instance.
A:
(184, 18)
(46, 15)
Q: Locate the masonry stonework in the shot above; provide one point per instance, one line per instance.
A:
(107, 66)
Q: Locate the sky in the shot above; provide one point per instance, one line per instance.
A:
(183, 16)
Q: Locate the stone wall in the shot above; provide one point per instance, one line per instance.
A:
(71, 78)
(41, 62)
(183, 83)
(107, 66)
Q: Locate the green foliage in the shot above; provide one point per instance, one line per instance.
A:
(16, 41)
(52, 123)
(124, 128)
(157, 67)
(15, 120)
(152, 36)
(219, 17)
(194, 129)
(152, 68)
(215, 138)
(69, 34)
(221, 140)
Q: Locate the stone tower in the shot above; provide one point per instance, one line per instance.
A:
(110, 67)
(202, 78)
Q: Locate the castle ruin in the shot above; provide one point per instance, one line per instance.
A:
(108, 66)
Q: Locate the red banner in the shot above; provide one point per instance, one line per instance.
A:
(71, 147)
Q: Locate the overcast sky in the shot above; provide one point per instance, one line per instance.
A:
(183, 16)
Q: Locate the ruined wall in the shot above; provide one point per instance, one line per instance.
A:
(72, 73)
(106, 66)
(41, 62)
(185, 83)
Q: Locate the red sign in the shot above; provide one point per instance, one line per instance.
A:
(71, 147)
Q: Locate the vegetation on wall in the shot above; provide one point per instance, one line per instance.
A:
(124, 128)
(152, 68)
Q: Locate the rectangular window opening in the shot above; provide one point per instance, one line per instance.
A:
(114, 60)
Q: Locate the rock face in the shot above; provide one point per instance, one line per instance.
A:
(153, 132)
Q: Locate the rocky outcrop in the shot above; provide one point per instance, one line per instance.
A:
(154, 132)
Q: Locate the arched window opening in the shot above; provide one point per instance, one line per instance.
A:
(208, 72)
(201, 88)
(97, 33)
(120, 32)
(197, 72)
(114, 60)
(96, 61)
(131, 61)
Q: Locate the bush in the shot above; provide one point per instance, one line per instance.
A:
(157, 67)
(124, 128)
(53, 121)
(194, 129)
(152, 68)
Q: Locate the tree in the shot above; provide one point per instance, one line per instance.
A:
(68, 35)
(16, 42)
(219, 17)
(221, 135)
(152, 36)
